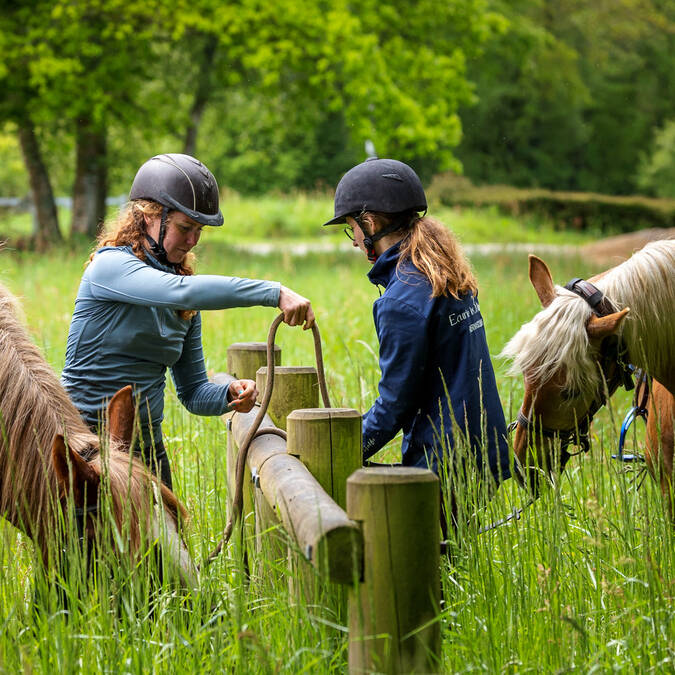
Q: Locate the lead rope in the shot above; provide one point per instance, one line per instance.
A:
(254, 430)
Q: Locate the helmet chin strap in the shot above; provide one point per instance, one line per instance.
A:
(157, 247)
(370, 239)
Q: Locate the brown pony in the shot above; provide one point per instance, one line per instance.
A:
(571, 363)
(48, 455)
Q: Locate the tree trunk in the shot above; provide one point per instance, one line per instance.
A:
(47, 220)
(89, 190)
(202, 94)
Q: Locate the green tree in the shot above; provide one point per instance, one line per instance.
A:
(91, 58)
(528, 126)
(656, 173)
(292, 90)
(571, 95)
(317, 78)
(20, 106)
(627, 57)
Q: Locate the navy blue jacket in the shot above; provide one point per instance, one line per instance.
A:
(436, 373)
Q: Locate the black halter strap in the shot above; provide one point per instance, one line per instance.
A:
(597, 301)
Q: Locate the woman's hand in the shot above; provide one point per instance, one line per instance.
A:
(297, 310)
(242, 395)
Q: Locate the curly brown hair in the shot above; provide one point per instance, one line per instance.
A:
(128, 229)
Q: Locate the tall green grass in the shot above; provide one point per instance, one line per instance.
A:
(582, 582)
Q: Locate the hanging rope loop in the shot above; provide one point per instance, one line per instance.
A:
(255, 430)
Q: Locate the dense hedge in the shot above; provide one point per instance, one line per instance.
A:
(577, 210)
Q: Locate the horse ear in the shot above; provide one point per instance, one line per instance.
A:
(121, 416)
(541, 279)
(601, 326)
(70, 465)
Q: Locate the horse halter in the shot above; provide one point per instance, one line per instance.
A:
(612, 352)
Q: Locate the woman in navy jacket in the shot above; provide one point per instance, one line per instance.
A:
(437, 378)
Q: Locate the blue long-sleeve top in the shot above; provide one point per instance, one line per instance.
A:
(126, 330)
(436, 373)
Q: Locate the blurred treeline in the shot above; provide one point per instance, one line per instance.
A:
(283, 95)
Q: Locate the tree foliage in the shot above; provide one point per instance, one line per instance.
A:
(571, 95)
(283, 95)
(657, 170)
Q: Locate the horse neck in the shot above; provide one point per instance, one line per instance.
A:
(645, 283)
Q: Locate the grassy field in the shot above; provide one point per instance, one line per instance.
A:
(583, 582)
(298, 218)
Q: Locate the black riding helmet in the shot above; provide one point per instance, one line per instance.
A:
(181, 183)
(384, 185)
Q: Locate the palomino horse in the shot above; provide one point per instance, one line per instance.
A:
(48, 455)
(574, 354)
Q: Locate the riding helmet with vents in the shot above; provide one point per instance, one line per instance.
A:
(182, 183)
(382, 185)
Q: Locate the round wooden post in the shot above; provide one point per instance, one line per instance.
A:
(294, 387)
(328, 442)
(244, 358)
(391, 613)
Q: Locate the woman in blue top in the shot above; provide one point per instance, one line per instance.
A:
(437, 378)
(137, 308)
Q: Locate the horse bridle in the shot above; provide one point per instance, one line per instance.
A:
(612, 352)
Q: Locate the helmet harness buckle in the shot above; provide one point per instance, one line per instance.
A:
(370, 239)
(157, 247)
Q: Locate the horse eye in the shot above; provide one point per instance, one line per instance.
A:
(569, 394)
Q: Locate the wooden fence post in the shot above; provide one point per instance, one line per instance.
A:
(244, 359)
(321, 529)
(392, 626)
(294, 387)
(328, 442)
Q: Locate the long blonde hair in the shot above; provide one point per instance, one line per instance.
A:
(434, 251)
(128, 228)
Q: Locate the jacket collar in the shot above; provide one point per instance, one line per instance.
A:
(150, 259)
(384, 267)
(153, 262)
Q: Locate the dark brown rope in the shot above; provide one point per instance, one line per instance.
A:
(254, 430)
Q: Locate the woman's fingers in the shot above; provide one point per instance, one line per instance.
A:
(297, 309)
(309, 319)
(243, 395)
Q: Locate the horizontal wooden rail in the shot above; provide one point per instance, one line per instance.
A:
(323, 532)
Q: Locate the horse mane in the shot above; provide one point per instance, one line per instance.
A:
(646, 284)
(556, 340)
(34, 408)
